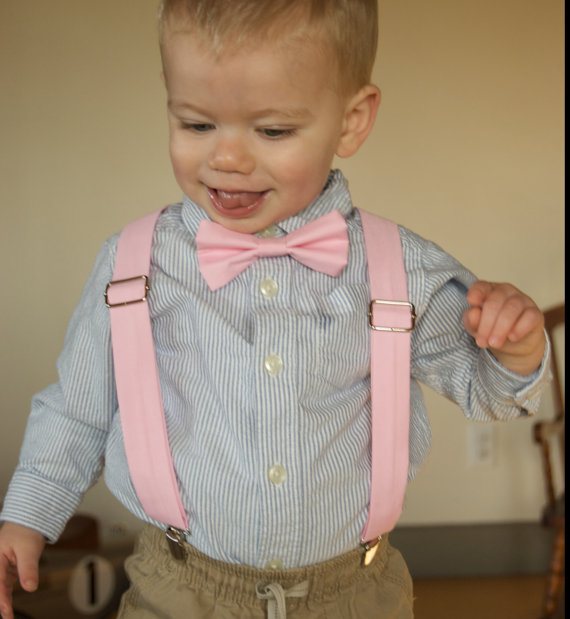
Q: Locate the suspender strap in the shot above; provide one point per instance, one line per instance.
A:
(391, 322)
(140, 399)
(136, 377)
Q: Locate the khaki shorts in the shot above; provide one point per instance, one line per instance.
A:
(200, 587)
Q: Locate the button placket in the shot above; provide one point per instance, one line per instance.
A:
(274, 395)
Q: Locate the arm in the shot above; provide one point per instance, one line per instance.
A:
(446, 356)
(67, 430)
(20, 551)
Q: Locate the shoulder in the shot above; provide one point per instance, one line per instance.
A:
(430, 269)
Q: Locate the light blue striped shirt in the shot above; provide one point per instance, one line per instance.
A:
(266, 392)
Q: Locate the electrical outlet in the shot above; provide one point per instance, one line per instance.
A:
(115, 534)
(480, 445)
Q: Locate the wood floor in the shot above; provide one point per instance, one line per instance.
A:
(495, 597)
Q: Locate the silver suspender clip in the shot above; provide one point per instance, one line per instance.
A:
(144, 288)
(410, 306)
(176, 542)
(370, 550)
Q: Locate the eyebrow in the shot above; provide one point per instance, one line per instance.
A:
(287, 112)
(180, 106)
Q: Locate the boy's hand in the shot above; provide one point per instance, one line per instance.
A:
(507, 322)
(20, 551)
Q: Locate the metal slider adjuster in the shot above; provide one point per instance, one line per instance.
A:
(176, 543)
(146, 288)
(370, 550)
(392, 303)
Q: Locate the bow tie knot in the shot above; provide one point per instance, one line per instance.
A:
(269, 247)
(223, 254)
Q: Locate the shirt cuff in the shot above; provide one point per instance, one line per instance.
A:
(506, 386)
(38, 503)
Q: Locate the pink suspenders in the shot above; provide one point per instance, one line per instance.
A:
(136, 376)
(391, 322)
(391, 319)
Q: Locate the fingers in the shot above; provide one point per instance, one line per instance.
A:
(507, 322)
(28, 573)
(500, 313)
(20, 551)
(8, 578)
(28, 577)
(471, 320)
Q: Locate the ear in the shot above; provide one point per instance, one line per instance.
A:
(359, 117)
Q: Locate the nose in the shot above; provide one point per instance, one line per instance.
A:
(231, 154)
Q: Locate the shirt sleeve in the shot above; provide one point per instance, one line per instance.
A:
(64, 443)
(444, 356)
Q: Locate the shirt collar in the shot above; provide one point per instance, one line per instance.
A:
(334, 197)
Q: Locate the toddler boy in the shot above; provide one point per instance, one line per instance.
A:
(265, 376)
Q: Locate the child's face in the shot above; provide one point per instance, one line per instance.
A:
(253, 133)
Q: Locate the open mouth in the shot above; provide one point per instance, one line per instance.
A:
(236, 203)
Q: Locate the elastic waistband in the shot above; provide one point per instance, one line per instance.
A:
(238, 583)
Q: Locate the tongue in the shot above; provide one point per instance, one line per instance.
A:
(242, 199)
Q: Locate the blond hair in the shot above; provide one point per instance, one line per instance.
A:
(347, 28)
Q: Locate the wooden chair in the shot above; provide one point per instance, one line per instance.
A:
(80, 533)
(546, 433)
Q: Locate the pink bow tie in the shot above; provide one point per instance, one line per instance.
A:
(223, 254)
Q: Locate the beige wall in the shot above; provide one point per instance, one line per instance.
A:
(467, 151)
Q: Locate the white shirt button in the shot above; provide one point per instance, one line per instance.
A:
(274, 564)
(273, 364)
(268, 233)
(268, 288)
(277, 474)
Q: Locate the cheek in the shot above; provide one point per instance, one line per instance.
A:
(183, 158)
(178, 168)
(307, 172)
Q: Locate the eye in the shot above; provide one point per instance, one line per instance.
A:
(197, 127)
(273, 133)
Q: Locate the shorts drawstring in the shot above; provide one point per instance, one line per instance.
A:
(275, 596)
